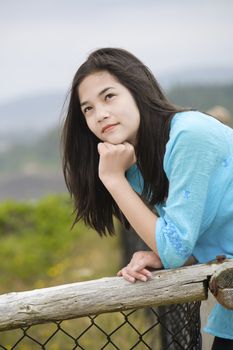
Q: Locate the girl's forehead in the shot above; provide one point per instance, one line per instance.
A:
(98, 77)
(94, 83)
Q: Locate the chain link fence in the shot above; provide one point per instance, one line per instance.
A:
(146, 328)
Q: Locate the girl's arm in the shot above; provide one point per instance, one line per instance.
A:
(114, 161)
(140, 217)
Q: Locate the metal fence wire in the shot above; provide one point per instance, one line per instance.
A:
(173, 327)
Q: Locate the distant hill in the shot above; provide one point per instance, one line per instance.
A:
(30, 171)
(38, 156)
(203, 97)
(26, 119)
(199, 76)
(36, 112)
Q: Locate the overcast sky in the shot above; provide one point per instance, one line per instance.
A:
(42, 43)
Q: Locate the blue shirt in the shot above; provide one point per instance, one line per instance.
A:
(197, 217)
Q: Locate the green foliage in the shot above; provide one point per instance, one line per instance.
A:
(34, 236)
(38, 247)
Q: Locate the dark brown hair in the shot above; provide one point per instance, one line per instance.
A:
(92, 201)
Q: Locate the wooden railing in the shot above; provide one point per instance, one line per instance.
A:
(75, 300)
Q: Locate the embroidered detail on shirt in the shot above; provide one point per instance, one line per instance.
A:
(171, 232)
(186, 194)
(225, 162)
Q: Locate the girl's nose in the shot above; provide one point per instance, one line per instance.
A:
(101, 114)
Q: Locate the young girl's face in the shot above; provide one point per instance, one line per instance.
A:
(109, 108)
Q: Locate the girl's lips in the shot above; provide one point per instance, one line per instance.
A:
(108, 127)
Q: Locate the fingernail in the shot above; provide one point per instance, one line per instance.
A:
(144, 279)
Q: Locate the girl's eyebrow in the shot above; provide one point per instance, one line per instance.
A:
(99, 94)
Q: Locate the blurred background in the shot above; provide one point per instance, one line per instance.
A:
(187, 44)
(189, 47)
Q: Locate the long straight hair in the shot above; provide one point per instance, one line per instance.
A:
(92, 202)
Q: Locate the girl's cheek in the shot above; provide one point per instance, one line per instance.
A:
(90, 126)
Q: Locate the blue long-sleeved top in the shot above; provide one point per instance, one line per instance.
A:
(197, 217)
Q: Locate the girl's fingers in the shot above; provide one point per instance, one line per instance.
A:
(132, 276)
(127, 144)
(125, 275)
(138, 275)
(130, 147)
(146, 273)
(106, 146)
(101, 147)
(137, 266)
(128, 277)
(120, 147)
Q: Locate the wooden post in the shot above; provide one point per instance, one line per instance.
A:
(221, 286)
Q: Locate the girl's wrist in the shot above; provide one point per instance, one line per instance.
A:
(153, 260)
(111, 182)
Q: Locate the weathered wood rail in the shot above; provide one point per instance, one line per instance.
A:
(20, 309)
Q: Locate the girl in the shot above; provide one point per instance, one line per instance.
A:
(164, 170)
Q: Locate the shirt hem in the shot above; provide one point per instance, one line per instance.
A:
(217, 333)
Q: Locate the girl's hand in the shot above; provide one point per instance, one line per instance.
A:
(136, 269)
(115, 160)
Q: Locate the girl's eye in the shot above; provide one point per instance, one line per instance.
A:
(86, 109)
(109, 96)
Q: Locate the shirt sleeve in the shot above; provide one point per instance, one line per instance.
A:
(190, 162)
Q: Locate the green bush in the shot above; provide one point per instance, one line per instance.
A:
(34, 237)
(39, 249)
